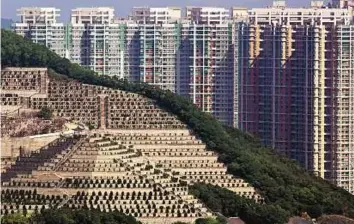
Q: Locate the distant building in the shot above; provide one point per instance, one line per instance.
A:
(34, 15)
(295, 68)
(207, 68)
(279, 14)
(317, 4)
(207, 15)
(239, 13)
(99, 15)
(41, 26)
(194, 60)
(147, 15)
(344, 4)
(89, 37)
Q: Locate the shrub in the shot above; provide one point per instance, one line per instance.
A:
(45, 113)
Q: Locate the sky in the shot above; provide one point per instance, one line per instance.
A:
(123, 7)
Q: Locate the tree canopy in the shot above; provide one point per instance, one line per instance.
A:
(286, 187)
(229, 204)
(45, 113)
(71, 216)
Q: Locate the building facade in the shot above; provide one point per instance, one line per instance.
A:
(343, 121)
(207, 15)
(207, 68)
(41, 26)
(148, 15)
(294, 86)
(344, 4)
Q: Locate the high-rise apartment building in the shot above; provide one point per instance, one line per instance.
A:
(91, 39)
(343, 104)
(279, 14)
(148, 15)
(99, 15)
(195, 60)
(41, 26)
(344, 4)
(158, 55)
(34, 15)
(291, 64)
(208, 15)
(239, 13)
(207, 68)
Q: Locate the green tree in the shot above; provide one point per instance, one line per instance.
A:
(45, 113)
(207, 221)
(90, 126)
(16, 218)
(82, 216)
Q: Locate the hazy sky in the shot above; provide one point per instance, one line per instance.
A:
(122, 7)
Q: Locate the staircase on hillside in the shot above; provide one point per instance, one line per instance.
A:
(102, 111)
(71, 151)
(26, 163)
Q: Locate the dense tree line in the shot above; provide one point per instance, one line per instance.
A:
(217, 220)
(286, 187)
(221, 200)
(70, 216)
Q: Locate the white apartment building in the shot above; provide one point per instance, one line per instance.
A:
(295, 86)
(208, 15)
(89, 44)
(207, 68)
(344, 4)
(239, 13)
(149, 15)
(279, 14)
(94, 15)
(33, 15)
(41, 26)
(344, 103)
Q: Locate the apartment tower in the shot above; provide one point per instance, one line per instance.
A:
(295, 69)
(41, 26)
(150, 15)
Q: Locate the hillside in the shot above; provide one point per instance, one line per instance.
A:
(136, 158)
(286, 188)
